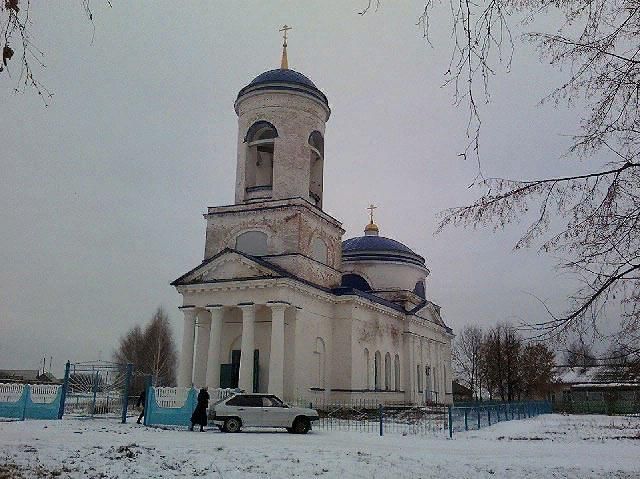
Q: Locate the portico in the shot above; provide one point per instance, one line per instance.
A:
(203, 349)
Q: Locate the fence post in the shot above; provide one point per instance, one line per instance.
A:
(451, 421)
(147, 400)
(65, 387)
(381, 411)
(466, 423)
(95, 394)
(489, 414)
(127, 385)
(478, 410)
(26, 397)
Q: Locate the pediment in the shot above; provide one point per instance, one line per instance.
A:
(226, 267)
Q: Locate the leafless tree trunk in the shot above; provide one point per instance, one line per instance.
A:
(466, 358)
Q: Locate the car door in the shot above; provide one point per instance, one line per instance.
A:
(253, 411)
(275, 413)
(240, 406)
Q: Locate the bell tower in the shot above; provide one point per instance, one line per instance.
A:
(277, 214)
(281, 124)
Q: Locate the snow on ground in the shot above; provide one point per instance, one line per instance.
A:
(544, 447)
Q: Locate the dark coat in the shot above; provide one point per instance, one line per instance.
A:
(142, 398)
(199, 415)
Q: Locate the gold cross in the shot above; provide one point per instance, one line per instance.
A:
(371, 208)
(285, 28)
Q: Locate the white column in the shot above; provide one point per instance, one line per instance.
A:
(276, 354)
(245, 381)
(186, 354)
(203, 326)
(410, 376)
(213, 364)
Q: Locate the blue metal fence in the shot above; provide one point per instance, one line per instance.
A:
(479, 415)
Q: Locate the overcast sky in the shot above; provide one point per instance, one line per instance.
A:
(102, 193)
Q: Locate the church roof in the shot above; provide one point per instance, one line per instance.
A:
(374, 243)
(282, 75)
(372, 247)
(284, 79)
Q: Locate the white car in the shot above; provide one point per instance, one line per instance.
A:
(260, 410)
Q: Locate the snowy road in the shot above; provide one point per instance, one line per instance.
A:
(547, 446)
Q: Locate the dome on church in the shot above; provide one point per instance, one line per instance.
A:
(284, 79)
(373, 247)
(282, 75)
(382, 264)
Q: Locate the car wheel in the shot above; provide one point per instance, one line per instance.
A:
(301, 425)
(290, 430)
(232, 424)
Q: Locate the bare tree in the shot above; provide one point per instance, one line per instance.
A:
(151, 350)
(536, 369)
(15, 36)
(598, 212)
(466, 359)
(580, 354)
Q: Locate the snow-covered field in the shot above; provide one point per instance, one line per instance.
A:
(544, 447)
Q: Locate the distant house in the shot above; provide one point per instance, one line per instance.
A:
(26, 376)
(596, 388)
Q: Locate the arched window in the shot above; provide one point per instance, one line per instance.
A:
(367, 366)
(355, 281)
(377, 371)
(316, 165)
(419, 289)
(396, 376)
(387, 372)
(320, 363)
(319, 250)
(252, 242)
(259, 141)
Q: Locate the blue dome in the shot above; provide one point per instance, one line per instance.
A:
(374, 243)
(282, 75)
(379, 248)
(284, 79)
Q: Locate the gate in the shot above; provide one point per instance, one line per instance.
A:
(98, 389)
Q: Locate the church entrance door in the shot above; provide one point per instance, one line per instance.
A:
(229, 373)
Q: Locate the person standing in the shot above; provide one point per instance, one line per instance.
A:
(199, 415)
(142, 399)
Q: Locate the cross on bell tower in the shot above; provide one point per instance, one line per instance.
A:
(284, 62)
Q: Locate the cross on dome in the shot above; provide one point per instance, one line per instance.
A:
(371, 229)
(284, 62)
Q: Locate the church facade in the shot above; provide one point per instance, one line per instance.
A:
(280, 303)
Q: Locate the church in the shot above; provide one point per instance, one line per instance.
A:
(281, 303)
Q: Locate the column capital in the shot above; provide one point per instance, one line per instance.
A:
(246, 306)
(214, 307)
(188, 311)
(278, 305)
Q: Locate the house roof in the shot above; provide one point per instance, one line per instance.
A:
(594, 376)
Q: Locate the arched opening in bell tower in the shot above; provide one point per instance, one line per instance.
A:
(260, 142)
(316, 158)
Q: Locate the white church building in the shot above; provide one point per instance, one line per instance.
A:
(281, 304)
